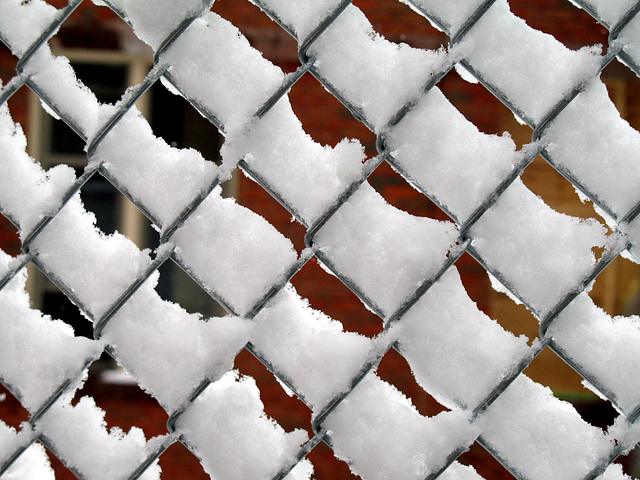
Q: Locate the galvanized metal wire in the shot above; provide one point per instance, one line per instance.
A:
(387, 340)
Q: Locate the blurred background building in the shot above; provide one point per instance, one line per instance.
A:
(108, 58)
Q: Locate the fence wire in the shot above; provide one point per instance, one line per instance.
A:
(395, 316)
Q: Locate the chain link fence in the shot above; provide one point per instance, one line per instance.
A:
(403, 268)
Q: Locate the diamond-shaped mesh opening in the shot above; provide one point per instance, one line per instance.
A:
(550, 370)
(327, 466)
(615, 290)
(485, 464)
(327, 293)
(394, 369)
(284, 407)
(552, 18)
(177, 461)
(477, 284)
(326, 119)
(58, 305)
(89, 27)
(629, 463)
(175, 285)
(9, 235)
(397, 192)
(399, 24)
(180, 125)
(248, 194)
(474, 101)
(125, 404)
(511, 314)
(543, 180)
(275, 44)
(13, 413)
(60, 469)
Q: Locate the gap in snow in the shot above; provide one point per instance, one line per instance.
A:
(400, 194)
(325, 119)
(476, 103)
(629, 463)
(617, 289)
(287, 410)
(475, 281)
(108, 82)
(116, 213)
(178, 459)
(556, 191)
(125, 404)
(47, 297)
(258, 200)
(555, 21)
(11, 410)
(62, 472)
(327, 465)
(398, 23)
(175, 285)
(57, 4)
(327, 293)
(394, 369)
(83, 31)
(179, 124)
(551, 371)
(9, 237)
(511, 315)
(484, 463)
(263, 34)
(622, 86)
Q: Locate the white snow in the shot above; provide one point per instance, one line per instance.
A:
(452, 15)
(32, 464)
(430, 337)
(344, 54)
(309, 347)
(632, 231)
(79, 434)
(37, 353)
(162, 178)
(448, 156)
(601, 152)
(607, 348)
(542, 253)
(153, 22)
(540, 436)
(386, 251)
(629, 38)
(228, 429)
(609, 11)
(381, 435)
(21, 23)
(302, 16)
(614, 472)
(27, 192)
(97, 267)
(532, 68)
(57, 80)
(234, 251)
(169, 351)
(214, 64)
(307, 175)
(458, 471)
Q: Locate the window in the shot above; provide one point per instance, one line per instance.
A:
(108, 74)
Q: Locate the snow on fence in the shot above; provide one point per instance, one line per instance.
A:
(402, 267)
